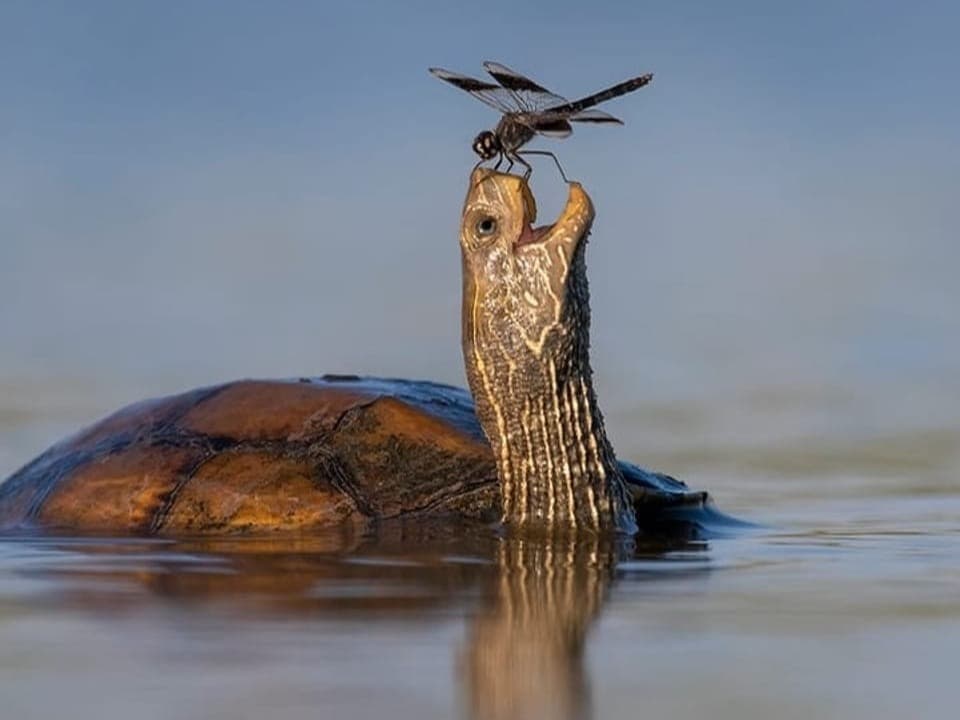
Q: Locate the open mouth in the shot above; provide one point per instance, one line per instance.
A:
(571, 217)
(531, 235)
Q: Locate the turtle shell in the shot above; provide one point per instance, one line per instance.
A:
(254, 456)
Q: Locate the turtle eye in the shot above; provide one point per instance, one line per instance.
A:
(486, 226)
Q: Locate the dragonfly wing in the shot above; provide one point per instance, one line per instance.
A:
(496, 96)
(595, 116)
(555, 127)
(530, 96)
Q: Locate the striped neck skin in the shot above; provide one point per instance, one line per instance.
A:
(526, 323)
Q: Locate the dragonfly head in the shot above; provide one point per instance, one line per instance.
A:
(487, 145)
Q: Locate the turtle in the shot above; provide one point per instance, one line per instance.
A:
(526, 447)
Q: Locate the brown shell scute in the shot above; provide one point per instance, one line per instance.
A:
(380, 447)
(263, 410)
(263, 456)
(256, 490)
(122, 490)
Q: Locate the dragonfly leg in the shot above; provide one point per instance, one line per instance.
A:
(529, 168)
(550, 154)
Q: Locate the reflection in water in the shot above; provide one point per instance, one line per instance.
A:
(523, 653)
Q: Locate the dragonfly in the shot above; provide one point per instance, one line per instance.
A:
(528, 109)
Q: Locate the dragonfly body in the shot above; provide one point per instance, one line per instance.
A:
(529, 109)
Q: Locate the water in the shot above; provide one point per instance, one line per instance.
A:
(845, 603)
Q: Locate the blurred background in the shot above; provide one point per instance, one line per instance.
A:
(192, 192)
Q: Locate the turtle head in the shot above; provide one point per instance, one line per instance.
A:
(524, 287)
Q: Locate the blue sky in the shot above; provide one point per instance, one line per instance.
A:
(192, 191)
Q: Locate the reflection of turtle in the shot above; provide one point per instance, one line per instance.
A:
(255, 456)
